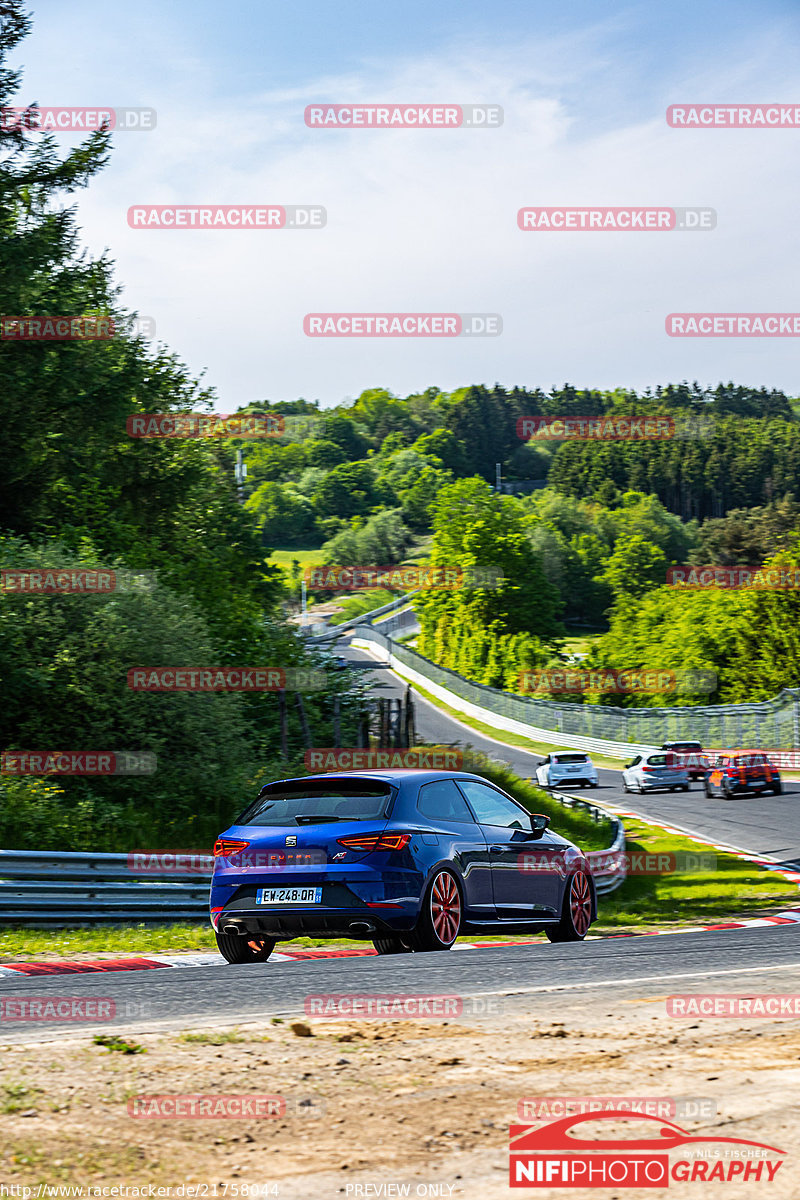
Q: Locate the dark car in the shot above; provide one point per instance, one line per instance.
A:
(407, 859)
(691, 756)
(736, 774)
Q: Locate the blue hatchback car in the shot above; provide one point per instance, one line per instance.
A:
(409, 859)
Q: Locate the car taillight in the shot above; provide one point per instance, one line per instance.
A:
(648, 768)
(376, 841)
(225, 847)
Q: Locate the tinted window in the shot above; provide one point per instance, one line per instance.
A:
(442, 801)
(491, 808)
(315, 802)
(569, 758)
(662, 760)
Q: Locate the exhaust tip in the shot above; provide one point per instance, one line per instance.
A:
(362, 926)
(232, 929)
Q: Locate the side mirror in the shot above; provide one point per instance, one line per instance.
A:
(539, 823)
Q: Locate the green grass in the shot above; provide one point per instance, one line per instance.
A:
(735, 889)
(15, 1097)
(307, 556)
(219, 1037)
(356, 604)
(578, 643)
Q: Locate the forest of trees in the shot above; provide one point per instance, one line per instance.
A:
(77, 492)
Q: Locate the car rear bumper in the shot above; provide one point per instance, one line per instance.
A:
(358, 906)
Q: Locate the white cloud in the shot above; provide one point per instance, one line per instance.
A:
(426, 221)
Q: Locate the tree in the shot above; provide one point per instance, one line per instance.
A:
(635, 567)
(284, 515)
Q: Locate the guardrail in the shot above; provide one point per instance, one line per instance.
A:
(337, 631)
(769, 724)
(50, 889)
(609, 867)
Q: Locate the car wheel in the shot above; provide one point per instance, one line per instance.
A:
(391, 945)
(576, 911)
(592, 785)
(673, 789)
(709, 792)
(726, 791)
(625, 787)
(440, 920)
(237, 949)
(685, 787)
(777, 788)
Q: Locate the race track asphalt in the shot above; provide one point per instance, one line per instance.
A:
(768, 825)
(613, 970)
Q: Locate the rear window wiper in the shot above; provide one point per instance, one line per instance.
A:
(315, 818)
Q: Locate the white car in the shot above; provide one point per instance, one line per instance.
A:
(655, 769)
(566, 767)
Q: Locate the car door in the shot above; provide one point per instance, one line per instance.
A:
(526, 872)
(453, 829)
(630, 774)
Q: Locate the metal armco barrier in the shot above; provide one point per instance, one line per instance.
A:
(608, 876)
(50, 888)
(769, 725)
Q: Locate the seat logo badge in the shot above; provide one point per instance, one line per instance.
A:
(291, 839)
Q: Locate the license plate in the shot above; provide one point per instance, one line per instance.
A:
(299, 895)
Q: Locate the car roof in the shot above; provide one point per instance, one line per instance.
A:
(390, 775)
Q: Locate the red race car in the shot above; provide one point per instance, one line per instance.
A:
(734, 774)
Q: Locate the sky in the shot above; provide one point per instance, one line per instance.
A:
(426, 220)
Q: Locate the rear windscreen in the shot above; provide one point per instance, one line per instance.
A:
(569, 758)
(662, 760)
(317, 803)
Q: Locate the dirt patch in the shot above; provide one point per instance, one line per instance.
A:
(378, 1102)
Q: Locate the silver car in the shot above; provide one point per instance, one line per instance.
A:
(653, 770)
(564, 767)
